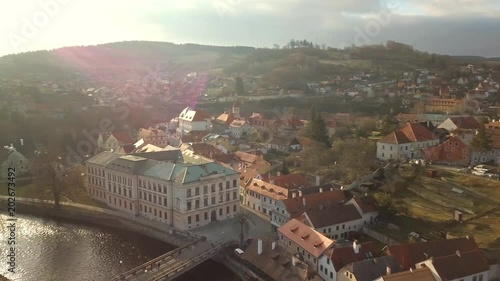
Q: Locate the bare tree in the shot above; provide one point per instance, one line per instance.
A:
(245, 221)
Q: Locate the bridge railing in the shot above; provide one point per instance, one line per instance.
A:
(173, 272)
(159, 260)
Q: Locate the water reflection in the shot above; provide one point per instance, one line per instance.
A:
(63, 251)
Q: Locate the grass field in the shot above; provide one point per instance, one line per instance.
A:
(485, 230)
(484, 185)
(349, 63)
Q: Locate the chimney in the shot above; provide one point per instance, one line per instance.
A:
(273, 245)
(320, 189)
(318, 180)
(388, 270)
(356, 246)
(411, 270)
(304, 201)
(300, 193)
(294, 194)
(331, 188)
(259, 246)
(271, 181)
(294, 261)
(458, 254)
(22, 142)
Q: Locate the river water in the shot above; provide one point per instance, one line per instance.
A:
(59, 250)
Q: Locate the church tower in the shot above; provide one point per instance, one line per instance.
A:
(236, 110)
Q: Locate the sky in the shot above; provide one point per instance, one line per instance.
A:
(455, 27)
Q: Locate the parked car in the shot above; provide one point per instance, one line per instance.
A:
(479, 173)
(238, 251)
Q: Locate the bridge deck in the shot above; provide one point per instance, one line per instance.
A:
(174, 263)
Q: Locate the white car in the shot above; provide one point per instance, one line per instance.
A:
(479, 173)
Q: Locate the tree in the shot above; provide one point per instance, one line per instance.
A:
(317, 129)
(385, 204)
(284, 169)
(53, 176)
(244, 220)
(481, 141)
(239, 87)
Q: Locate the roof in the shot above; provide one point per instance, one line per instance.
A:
(238, 123)
(225, 118)
(367, 204)
(460, 265)
(410, 254)
(466, 122)
(324, 217)
(189, 114)
(421, 274)
(266, 189)
(306, 237)
(294, 180)
(295, 206)
(345, 255)
(123, 137)
(276, 263)
(411, 132)
(371, 269)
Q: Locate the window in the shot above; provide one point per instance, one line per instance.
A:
(205, 189)
(197, 218)
(205, 202)
(227, 210)
(228, 185)
(212, 187)
(331, 275)
(149, 197)
(474, 278)
(220, 212)
(228, 196)
(188, 191)
(220, 186)
(196, 191)
(234, 183)
(213, 200)
(234, 208)
(197, 204)
(327, 261)
(205, 216)
(188, 205)
(480, 277)
(321, 267)
(235, 194)
(165, 201)
(189, 220)
(130, 193)
(221, 199)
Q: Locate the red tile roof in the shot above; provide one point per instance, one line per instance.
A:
(123, 137)
(367, 204)
(333, 215)
(295, 180)
(460, 265)
(343, 256)
(421, 274)
(306, 237)
(266, 189)
(411, 132)
(410, 254)
(466, 122)
(295, 206)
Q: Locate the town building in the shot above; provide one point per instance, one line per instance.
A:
(193, 120)
(448, 106)
(369, 269)
(113, 140)
(467, 266)
(335, 258)
(493, 130)
(406, 143)
(182, 190)
(15, 160)
(302, 240)
(460, 123)
(252, 161)
(421, 274)
(152, 136)
(453, 151)
(239, 129)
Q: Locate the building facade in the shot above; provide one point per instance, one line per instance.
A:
(175, 188)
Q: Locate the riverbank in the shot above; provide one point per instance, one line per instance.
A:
(101, 217)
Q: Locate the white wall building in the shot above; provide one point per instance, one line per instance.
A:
(193, 120)
(178, 189)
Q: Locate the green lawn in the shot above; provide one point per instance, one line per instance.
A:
(484, 185)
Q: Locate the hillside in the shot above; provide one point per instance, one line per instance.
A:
(279, 66)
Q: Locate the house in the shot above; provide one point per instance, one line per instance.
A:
(367, 206)
(224, 120)
(445, 105)
(16, 161)
(271, 261)
(470, 266)
(153, 136)
(369, 269)
(260, 121)
(435, 119)
(283, 144)
(193, 120)
(307, 243)
(408, 255)
(493, 129)
(239, 128)
(452, 151)
(247, 160)
(335, 258)
(460, 123)
(289, 181)
(294, 207)
(180, 189)
(261, 197)
(406, 143)
(114, 140)
(421, 274)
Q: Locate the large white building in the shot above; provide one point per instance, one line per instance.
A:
(193, 120)
(406, 143)
(182, 190)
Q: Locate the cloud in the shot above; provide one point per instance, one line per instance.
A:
(447, 26)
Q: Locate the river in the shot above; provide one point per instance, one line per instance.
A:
(59, 250)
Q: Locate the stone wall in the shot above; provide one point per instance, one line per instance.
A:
(379, 236)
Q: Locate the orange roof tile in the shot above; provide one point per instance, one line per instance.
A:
(306, 237)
